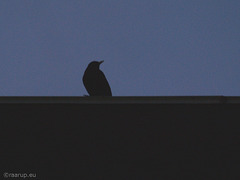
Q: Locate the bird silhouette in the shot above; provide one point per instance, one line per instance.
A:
(95, 81)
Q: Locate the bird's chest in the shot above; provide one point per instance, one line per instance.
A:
(92, 78)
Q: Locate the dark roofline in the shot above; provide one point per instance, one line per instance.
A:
(122, 99)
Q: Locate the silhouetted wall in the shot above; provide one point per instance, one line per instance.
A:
(121, 141)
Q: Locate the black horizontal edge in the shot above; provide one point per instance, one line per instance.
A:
(121, 99)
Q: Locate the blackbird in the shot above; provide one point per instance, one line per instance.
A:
(95, 81)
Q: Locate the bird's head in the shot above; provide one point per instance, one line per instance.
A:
(95, 64)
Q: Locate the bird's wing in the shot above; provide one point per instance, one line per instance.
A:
(103, 85)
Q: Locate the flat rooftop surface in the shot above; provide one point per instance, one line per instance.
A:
(116, 138)
(122, 99)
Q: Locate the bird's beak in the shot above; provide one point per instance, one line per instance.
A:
(100, 62)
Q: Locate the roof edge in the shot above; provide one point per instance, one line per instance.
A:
(121, 99)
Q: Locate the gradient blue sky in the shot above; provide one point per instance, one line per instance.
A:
(150, 47)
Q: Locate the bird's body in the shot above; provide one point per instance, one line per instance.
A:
(95, 81)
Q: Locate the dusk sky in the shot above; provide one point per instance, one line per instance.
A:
(149, 47)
